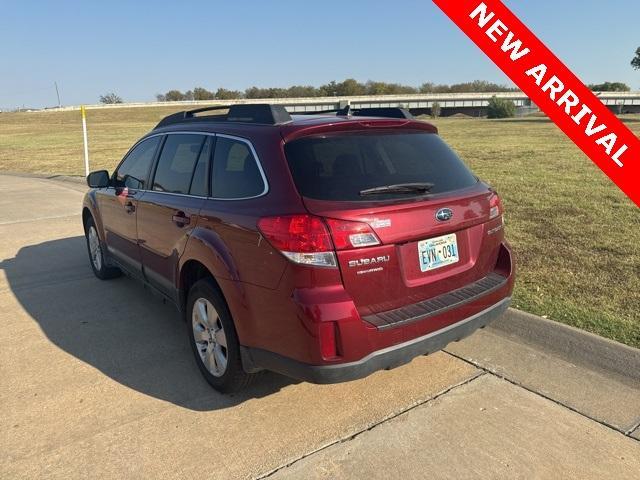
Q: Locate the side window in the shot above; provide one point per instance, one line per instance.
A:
(235, 171)
(200, 180)
(134, 170)
(177, 162)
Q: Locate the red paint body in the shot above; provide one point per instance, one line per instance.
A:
(308, 314)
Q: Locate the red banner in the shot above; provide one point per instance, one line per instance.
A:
(551, 86)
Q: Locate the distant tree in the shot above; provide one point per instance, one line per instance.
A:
(428, 87)
(480, 86)
(376, 88)
(348, 88)
(610, 87)
(161, 97)
(256, 92)
(275, 92)
(252, 92)
(302, 91)
(477, 86)
(501, 108)
(383, 88)
(329, 90)
(174, 96)
(110, 98)
(188, 95)
(397, 89)
(436, 109)
(351, 87)
(200, 93)
(224, 94)
(635, 63)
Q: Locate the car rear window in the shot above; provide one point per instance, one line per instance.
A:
(235, 172)
(339, 166)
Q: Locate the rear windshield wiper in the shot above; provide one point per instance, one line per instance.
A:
(399, 188)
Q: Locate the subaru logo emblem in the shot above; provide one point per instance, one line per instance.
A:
(444, 214)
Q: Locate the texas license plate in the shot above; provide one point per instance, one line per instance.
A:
(438, 252)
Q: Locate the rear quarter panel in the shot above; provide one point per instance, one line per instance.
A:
(227, 241)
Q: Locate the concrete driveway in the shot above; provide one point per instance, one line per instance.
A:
(97, 381)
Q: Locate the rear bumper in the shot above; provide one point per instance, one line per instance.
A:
(255, 359)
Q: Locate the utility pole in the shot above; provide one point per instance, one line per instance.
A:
(57, 94)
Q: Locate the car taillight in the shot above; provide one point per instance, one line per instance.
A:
(301, 238)
(495, 206)
(348, 235)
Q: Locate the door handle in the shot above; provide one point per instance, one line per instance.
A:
(181, 219)
(129, 207)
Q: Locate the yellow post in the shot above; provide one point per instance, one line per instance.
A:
(86, 145)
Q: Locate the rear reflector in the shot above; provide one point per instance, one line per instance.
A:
(327, 337)
(302, 239)
(348, 235)
(495, 206)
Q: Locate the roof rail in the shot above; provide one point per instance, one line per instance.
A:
(262, 113)
(383, 112)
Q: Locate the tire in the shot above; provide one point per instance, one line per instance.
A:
(213, 338)
(96, 253)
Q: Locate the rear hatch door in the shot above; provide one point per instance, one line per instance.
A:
(430, 242)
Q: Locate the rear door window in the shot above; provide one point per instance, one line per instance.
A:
(235, 174)
(340, 166)
(177, 162)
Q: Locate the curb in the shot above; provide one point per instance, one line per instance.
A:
(69, 179)
(43, 176)
(575, 345)
(77, 179)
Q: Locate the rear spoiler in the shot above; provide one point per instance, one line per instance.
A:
(380, 112)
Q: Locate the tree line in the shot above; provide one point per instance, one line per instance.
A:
(351, 87)
(347, 88)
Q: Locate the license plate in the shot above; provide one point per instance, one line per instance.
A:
(438, 252)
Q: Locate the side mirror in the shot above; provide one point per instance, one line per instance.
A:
(98, 179)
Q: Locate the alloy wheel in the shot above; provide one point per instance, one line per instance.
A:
(209, 337)
(94, 248)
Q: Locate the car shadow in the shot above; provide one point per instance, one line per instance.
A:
(116, 326)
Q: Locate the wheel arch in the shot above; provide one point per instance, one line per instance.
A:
(90, 210)
(191, 272)
(206, 248)
(86, 215)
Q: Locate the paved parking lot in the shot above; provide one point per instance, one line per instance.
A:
(97, 381)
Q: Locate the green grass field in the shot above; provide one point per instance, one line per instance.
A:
(576, 236)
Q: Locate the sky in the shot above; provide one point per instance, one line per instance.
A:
(138, 49)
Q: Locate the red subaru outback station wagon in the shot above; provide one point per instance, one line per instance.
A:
(324, 247)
